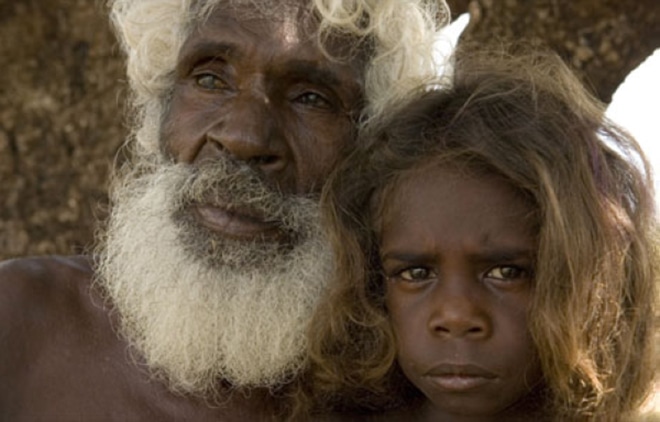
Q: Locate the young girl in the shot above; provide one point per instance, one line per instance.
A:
(496, 256)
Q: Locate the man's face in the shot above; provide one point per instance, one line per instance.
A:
(258, 90)
(214, 256)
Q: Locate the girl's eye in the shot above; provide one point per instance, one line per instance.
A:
(508, 273)
(210, 81)
(415, 274)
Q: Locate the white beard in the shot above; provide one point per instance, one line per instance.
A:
(201, 309)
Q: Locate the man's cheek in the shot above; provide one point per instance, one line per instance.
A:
(183, 133)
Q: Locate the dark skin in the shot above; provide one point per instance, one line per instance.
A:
(459, 282)
(63, 361)
(258, 90)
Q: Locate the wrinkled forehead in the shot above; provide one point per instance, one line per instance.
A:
(455, 164)
(296, 15)
(295, 21)
(261, 8)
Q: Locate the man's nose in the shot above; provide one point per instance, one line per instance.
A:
(458, 310)
(248, 132)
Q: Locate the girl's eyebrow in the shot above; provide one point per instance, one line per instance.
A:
(403, 256)
(486, 255)
(505, 254)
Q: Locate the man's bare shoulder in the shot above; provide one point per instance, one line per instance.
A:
(46, 304)
(61, 357)
(33, 287)
(51, 324)
(41, 269)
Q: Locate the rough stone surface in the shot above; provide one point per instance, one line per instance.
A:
(603, 40)
(60, 123)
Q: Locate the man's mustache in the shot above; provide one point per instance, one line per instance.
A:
(234, 185)
(229, 183)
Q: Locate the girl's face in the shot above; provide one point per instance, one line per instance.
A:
(457, 251)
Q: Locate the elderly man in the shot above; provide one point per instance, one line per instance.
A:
(196, 303)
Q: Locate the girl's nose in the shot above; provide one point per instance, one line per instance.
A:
(458, 310)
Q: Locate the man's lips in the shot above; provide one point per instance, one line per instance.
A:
(459, 377)
(240, 224)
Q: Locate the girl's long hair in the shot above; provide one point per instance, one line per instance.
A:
(526, 118)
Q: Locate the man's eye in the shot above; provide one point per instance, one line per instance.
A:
(314, 99)
(507, 272)
(210, 81)
(414, 274)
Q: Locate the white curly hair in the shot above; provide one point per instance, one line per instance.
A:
(400, 35)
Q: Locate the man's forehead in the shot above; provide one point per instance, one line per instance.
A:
(291, 23)
(273, 10)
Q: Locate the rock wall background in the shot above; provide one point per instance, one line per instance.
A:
(60, 123)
